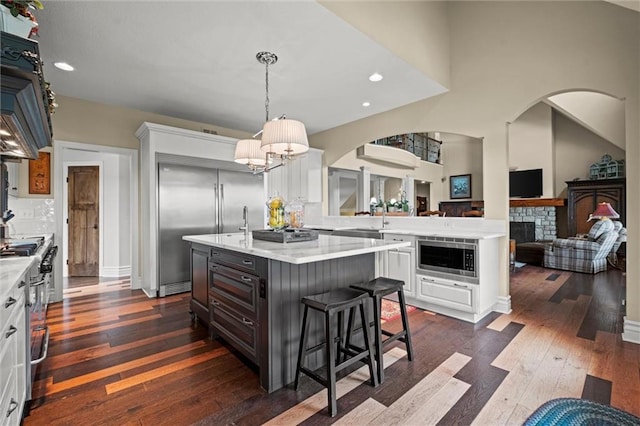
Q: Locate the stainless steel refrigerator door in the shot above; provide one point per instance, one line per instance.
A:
(238, 189)
(186, 206)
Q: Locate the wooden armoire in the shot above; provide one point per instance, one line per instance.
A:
(584, 195)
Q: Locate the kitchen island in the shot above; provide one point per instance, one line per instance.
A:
(248, 291)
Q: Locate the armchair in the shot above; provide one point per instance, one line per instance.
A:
(583, 254)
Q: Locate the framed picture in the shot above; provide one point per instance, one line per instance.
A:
(460, 186)
(40, 174)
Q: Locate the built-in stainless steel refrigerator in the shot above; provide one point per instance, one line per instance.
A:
(200, 200)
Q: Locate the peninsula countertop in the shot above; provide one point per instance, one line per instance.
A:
(299, 252)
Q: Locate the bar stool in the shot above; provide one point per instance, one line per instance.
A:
(335, 301)
(377, 289)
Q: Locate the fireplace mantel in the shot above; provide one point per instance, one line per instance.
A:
(524, 202)
(538, 202)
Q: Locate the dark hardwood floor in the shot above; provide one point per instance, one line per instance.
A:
(117, 357)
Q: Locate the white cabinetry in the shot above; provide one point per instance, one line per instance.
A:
(454, 296)
(448, 293)
(299, 178)
(400, 264)
(13, 353)
(13, 170)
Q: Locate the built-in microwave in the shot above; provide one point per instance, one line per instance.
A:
(453, 257)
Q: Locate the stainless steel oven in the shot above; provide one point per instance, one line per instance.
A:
(449, 257)
(37, 302)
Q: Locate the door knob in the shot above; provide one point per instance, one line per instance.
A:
(95, 226)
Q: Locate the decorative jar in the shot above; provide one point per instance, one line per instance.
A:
(275, 208)
(294, 213)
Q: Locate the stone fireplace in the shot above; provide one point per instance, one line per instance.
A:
(532, 223)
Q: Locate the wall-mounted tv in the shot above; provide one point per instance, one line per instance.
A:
(525, 183)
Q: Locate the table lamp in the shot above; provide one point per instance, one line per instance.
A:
(604, 211)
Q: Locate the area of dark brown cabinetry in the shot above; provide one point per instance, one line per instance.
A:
(584, 195)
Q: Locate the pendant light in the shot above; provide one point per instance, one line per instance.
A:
(282, 138)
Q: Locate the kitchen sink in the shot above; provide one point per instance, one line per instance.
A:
(358, 232)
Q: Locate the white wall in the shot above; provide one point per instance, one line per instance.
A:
(576, 149)
(602, 114)
(531, 145)
(421, 26)
(461, 155)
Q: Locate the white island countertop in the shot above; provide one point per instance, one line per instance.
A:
(324, 248)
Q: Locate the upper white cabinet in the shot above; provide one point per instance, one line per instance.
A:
(299, 178)
(14, 176)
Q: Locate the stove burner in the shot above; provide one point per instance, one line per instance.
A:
(21, 246)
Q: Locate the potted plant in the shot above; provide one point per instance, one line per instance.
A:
(19, 20)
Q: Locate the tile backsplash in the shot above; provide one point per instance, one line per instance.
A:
(32, 216)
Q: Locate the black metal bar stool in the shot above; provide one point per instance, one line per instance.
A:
(377, 289)
(335, 301)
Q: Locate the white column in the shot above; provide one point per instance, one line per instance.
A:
(363, 190)
(409, 188)
(334, 194)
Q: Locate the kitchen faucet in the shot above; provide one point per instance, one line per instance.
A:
(384, 215)
(245, 218)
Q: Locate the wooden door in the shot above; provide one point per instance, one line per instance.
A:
(83, 223)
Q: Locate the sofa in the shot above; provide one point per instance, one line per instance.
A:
(584, 254)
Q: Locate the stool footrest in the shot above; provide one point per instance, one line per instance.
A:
(324, 382)
(393, 337)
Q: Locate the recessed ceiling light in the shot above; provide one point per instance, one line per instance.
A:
(63, 66)
(375, 77)
(366, 104)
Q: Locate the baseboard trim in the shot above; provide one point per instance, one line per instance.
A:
(115, 271)
(137, 283)
(631, 331)
(503, 305)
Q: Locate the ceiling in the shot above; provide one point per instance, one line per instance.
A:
(196, 61)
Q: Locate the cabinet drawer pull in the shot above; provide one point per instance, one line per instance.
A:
(11, 331)
(429, 280)
(45, 347)
(22, 284)
(37, 283)
(215, 253)
(10, 301)
(246, 321)
(245, 279)
(12, 407)
(460, 285)
(215, 303)
(247, 262)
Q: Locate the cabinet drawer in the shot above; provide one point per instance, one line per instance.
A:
(8, 353)
(9, 400)
(233, 259)
(11, 300)
(452, 295)
(235, 289)
(238, 330)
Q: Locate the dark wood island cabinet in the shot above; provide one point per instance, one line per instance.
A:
(254, 290)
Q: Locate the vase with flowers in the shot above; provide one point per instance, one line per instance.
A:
(16, 17)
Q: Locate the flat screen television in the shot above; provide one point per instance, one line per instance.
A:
(525, 183)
